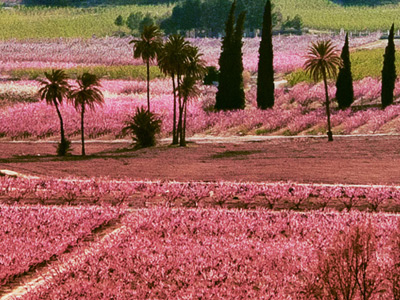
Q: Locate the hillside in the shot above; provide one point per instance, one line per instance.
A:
(85, 22)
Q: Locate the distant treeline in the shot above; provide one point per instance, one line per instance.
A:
(91, 2)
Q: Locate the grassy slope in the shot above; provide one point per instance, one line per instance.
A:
(81, 22)
(364, 63)
(68, 22)
(323, 14)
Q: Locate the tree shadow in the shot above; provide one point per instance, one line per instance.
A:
(120, 153)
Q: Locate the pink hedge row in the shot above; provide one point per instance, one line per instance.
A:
(195, 193)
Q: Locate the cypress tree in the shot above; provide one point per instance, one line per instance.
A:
(230, 94)
(388, 71)
(344, 83)
(265, 79)
(238, 100)
(225, 59)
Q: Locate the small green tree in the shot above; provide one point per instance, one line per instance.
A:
(133, 20)
(344, 83)
(85, 95)
(119, 21)
(146, 21)
(265, 78)
(389, 71)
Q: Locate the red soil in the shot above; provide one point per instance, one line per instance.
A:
(351, 160)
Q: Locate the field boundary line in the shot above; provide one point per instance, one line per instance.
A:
(16, 174)
(36, 278)
(213, 139)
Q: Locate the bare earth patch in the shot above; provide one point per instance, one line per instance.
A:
(347, 160)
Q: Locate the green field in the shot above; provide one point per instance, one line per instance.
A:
(324, 14)
(364, 63)
(24, 23)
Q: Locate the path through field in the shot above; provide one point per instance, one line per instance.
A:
(40, 274)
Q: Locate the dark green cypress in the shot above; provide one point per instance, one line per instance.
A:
(344, 82)
(238, 99)
(225, 61)
(388, 71)
(265, 78)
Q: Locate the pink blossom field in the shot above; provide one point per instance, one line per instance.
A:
(165, 253)
(131, 238)
(298, 110)
(31, 235)
(111, 51)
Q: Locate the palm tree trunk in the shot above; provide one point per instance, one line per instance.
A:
(61, 122)
(183, 138)
(148, 85)
(179, 133)
(83, 129)
(328, 111)
(174, 134)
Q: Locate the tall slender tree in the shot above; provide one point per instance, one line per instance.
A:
(344, 82)
(265, 78)
(322, 61)
(238, 100)
(225, 61)
(230, 94)
(388, 71)
(194, 69)
(148, 47)
(54, 89)
(172, 60)
(86, 95)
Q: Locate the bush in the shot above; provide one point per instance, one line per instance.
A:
(211, 76)
(144, 126)
(64, 148)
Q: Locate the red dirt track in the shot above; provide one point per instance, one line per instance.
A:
(350, 160)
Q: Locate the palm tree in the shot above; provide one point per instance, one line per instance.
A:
(187, 90)
(323, 61)
(194, 69)
(86, 94)
(172, 59)
(54, 89)
(148, 48)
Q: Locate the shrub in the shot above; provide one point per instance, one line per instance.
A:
(211, 76)
(144, 126)
(64, 148)
(348, 269)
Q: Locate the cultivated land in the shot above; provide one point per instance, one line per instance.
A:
(242, 212)
(348, 160)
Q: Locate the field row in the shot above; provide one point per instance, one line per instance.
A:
(278, 195)
(204, 254)
(298, 110)
(112, 57)
(31, 235)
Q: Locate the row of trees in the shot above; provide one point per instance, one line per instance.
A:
(230, 93)
(55, 89)
(208, 17)
(178, 59)
(322, 62)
